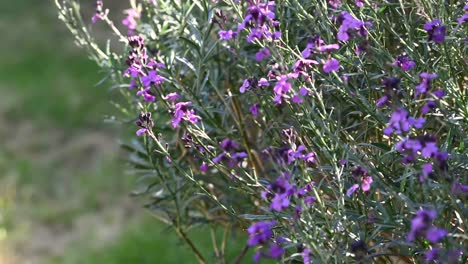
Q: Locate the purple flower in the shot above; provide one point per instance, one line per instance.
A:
(463, 19)
(306, 256)
(458, 188)
(421, 223)
(432, 255)
(310, 200)
(154, 65)
(425, 83)
(130, 21)
(141, 131)
(382, 101)
(303, 91)
(227, 34)
(245, 86)
(430, 149)
(173, 97)
(398, 122)
(254, 109)
(282, 86)
(145, 123)
(260, 232)
(257, 256)
(351, 190)
(334, 3)
(100, 14)
(439, 93)
(230, 153)
(297, 99)
(328, 47)
(263, 82)
(181, 112)
(404, 63)
(359, 3)
(260, 18)
(425, 172)
(152, 78)
(228, 145)
(434, 234)
(147, 94)
(310, 157)
(263, 53)
(436, 31)
(416, 122)
(331, 65)
(427, 107)
(280, 202)
(348, 24)
(366, 183)
(276, 251)
(204, 167)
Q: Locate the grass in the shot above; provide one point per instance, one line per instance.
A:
(147, 242)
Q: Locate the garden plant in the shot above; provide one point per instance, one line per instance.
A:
(324, 131)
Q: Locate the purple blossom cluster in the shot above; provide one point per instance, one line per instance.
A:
(435, 31)
(281, 191)
(280, 194)
(463, 19)
(426, 147)
(100, 14)
(142, 69)
(422, 227)
(130, 21)
(360, 174)
(392, 92)
(230, 154)
(315, 46)
(145, 123)
(350, 26)
(337, 3)
(261, 233)
(181, 112)
(260, 20)
(404, 62)
(400, 122)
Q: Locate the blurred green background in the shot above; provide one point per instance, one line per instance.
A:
(63, 195)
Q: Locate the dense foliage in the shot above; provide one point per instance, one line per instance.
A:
(328, 131)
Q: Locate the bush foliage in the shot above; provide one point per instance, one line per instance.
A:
(327, 131)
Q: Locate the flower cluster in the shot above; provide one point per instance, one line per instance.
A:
(404, 63)
(350, 26)
(260, 20)
(230, 153)
(142, 68)
(400, 122)
(182, 112)
(145, 123)
(360, 174)
(422, 227)
(100, 13)
(435, 31)
(261, 233)
(130, 21)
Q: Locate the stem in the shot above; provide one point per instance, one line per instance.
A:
(241, 255)
(218, 255)
(189, 242)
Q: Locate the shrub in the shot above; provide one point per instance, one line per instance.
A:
(327, 131)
